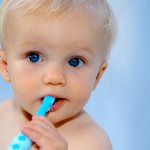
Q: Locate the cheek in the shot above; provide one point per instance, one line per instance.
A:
(21, 74)
(79, 95)
(22, 81)
(83, 87)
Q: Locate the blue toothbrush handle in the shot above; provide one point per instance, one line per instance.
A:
(23, 142)
(20, 142)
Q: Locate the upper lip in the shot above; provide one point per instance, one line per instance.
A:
(55, 96)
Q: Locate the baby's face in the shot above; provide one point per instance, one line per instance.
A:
(59, 57)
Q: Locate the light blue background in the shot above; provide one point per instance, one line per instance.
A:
(121, 104)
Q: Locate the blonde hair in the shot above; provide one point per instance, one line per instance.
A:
(56, 7)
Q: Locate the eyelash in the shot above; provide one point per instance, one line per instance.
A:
(34, 53)
(78, 59)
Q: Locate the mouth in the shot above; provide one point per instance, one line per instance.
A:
(58, 103)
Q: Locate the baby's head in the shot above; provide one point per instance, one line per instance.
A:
(55, 47)
(99, 9)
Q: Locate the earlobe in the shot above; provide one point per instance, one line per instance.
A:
(3, 66)
(100, 73)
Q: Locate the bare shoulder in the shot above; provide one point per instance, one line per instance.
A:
(91, 135)
(97, 138)
(5, 106)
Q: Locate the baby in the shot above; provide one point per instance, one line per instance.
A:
(58, 48)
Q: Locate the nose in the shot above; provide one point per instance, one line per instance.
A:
(54, 75)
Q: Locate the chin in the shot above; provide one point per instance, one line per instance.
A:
(59, 119)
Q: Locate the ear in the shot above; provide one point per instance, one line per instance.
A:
(102, 69)
(4, 66)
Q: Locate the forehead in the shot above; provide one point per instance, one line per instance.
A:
(83, 27)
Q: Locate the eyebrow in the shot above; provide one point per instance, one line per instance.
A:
(35, 43)
(87, 49)
(28, 43)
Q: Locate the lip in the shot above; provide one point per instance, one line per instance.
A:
(54, 95)
(58, 103)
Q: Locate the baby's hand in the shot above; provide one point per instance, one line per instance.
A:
(44, 135)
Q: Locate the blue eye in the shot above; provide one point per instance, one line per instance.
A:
(34, 57)
(75, 62)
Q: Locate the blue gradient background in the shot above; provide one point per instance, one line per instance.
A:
(120, 104)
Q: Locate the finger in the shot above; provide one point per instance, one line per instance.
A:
(44, 120)
(39, 122)
(54, 139)
(41, 129)
(43, 126)
(35, 136)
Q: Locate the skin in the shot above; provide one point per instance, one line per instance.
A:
(56, 41)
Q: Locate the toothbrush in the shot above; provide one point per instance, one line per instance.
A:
(23, 142)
